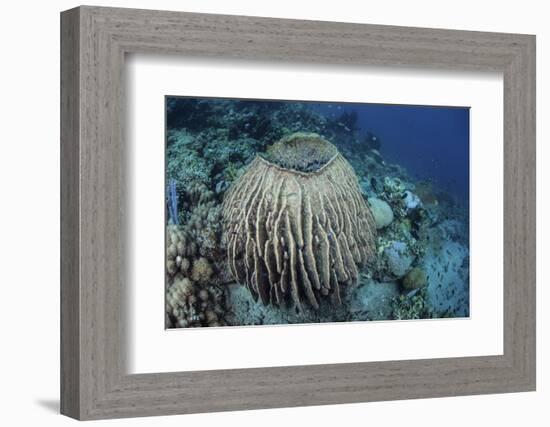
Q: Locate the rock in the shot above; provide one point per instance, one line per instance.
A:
(381, 211)
(373, 300)
(398, 259)
(242, 310)
(411, 201)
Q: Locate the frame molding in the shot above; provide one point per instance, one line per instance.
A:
(94, 41)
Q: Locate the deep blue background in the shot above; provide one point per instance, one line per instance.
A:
(430, 142)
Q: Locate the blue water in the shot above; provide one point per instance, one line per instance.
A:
(432, 143)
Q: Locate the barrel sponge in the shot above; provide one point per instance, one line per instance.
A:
(304, 152)
(296, 225)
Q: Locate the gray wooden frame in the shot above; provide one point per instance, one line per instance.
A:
(94, 41)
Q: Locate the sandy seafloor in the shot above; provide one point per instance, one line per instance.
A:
(422, 264)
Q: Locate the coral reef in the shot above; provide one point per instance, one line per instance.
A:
(202, 271)
(190, 306)
(204, 227)
(194, 297)
(412, 235)
(297, 234)
(180, 248)
(373, 300)
(411, 306)
(183, 165)
(242, 309)
(398, 259)
(411, 200)
(381, 211)
(415, 279)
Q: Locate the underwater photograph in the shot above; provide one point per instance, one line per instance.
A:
(297, 212)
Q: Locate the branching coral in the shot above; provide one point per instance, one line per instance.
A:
(296, 224)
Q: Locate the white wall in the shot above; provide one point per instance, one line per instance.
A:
(29, 229)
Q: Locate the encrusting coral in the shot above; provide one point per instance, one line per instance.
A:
(296, 224)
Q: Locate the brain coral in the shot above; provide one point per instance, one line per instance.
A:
(296, 224)
(381, 211)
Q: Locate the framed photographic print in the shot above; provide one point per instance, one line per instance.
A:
(317, 231)
(280, 213)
